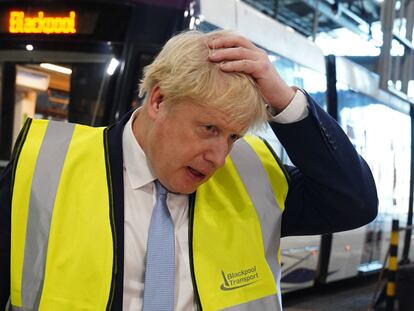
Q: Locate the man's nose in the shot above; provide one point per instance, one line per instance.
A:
(217, 153)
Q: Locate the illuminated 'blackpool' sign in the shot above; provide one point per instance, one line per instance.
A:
(41, 24)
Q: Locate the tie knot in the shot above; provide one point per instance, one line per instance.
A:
(161, 191)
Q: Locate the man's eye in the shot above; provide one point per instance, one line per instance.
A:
(234, 137)
(211, 128)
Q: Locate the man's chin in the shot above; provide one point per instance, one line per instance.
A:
(186, 185)
(185, 189)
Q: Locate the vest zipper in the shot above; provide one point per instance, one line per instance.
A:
(112, 221)
(191, 208)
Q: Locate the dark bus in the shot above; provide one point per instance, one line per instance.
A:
(77, 61)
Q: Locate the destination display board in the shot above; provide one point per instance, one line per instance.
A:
(44, 21)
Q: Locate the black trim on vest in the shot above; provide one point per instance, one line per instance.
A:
(18, 148)
(278, 160)
(115, 154)
(112, 220)
(191, 207)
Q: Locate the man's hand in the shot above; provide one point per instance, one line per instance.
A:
(237, 54)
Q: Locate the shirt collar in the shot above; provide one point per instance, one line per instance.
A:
(135, 161)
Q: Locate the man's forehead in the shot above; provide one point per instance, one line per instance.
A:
(237, 121)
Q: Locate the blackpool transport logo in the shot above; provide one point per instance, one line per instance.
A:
(242, 278)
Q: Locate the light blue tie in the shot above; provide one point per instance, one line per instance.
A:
(160, 266)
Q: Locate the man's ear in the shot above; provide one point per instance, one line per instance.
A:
(154, 101)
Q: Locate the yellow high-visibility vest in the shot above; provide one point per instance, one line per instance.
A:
(63, 240)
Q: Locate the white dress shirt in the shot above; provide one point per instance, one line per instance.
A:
(140, 198)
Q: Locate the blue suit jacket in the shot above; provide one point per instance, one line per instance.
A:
(330, 189)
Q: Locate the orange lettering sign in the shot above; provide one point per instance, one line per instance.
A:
(41, 24)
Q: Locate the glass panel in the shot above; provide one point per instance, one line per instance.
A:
(295, 74)
(382, 136)
(90, 83)
(40, 93)
(69, 92)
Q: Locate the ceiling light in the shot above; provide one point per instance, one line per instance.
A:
(64, 70)
(113, 64)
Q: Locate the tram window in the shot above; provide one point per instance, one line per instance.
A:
(40, 93)
(296, 74)
(75, 93)
(89, 89)
(381, 135)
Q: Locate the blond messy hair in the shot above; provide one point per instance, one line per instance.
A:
(182, 71)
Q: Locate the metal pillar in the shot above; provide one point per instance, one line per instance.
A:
(315, 24)
(407, 75)
(392, 267)
(397, 68)
(387, 24)
(396, 60)
(275, 8)
(408, 58)
(407, 237)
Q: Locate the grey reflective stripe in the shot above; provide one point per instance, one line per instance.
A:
(258, 186)
(45, 183)
(269, 303)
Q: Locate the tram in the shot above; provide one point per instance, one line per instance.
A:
(77, 61)
(378, 123)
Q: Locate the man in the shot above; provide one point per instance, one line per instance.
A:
(81, 200)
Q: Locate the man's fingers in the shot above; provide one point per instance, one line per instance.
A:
(240, 59)
(235, 53)
(243, 65)
(229, 41)
(240, 55)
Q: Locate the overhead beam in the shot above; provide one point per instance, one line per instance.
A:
(343, 18)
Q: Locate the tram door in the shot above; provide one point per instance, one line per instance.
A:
(63, 88)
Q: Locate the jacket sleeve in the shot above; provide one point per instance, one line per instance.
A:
(331, 187)
(5, 220)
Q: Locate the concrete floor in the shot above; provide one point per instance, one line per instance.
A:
(355, 295)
